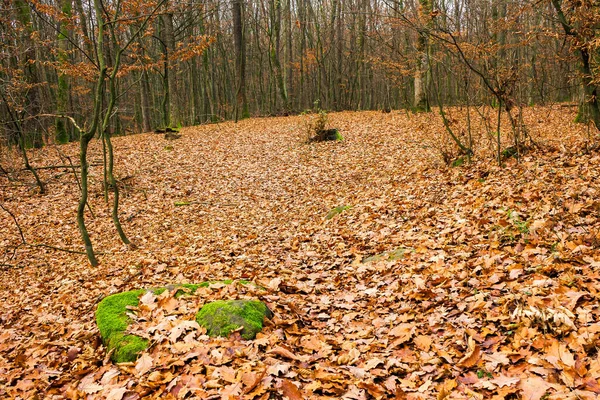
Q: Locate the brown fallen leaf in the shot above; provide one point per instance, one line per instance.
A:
(228, 374)
(116, 393)
(472, 356)
(423, 342)
(252, 379)
(285, 353)
(402, 330)
(503, 380)
(144, 364)
(533, 388)
(373, 389)
(290, 390)
(592, 385)
(446, 388)
(231, 392)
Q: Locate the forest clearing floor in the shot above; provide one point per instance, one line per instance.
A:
(428, 282)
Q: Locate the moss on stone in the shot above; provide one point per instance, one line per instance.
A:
(222, 317)
(112, 318)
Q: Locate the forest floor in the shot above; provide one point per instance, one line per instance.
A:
(472, 282)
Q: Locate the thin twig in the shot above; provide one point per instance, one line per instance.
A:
(16, 222)
(47, 246)
(55, 167)
(63, 166)
(24, 241)
(62, 116)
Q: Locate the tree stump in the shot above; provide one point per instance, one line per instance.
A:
(325, 135)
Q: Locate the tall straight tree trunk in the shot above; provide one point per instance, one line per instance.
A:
(168, 37)
(585, 69)
(289, 53)
(331, 69)
(84, 28)
(422, 67)
(63, 132)
(275, 41)
(31, 137)
(339, 57)
(240, 50)
(360, 61)
(207, 96)
(145, 101)
(301, 7)
(165, 104)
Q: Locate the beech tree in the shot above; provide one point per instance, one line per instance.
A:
(579, 20)
(240, 60)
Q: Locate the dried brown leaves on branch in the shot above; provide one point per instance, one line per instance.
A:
(431, 283)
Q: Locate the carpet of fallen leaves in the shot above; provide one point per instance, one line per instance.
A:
(427, 282)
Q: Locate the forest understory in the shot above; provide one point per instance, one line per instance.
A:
(390, 274)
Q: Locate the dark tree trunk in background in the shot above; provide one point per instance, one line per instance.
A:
(240, 58)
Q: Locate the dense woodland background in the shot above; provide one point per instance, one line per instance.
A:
(185, 63)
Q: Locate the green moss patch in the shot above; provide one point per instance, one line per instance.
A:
(222, 317)
(336, 211)
(392, 255)
(112, 318)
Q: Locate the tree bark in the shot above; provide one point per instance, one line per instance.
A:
(63, 132)
(240, 50)
(275, 41)
(589, 87)
(422, 67)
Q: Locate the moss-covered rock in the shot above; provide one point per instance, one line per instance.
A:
(112, 318)
(222, 317)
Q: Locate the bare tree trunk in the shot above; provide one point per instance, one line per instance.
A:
(168, 36)
(240, 50)
(422, 67)
(63, 132)
(589, 87)
(275, 41)
(145, 101)
(289, 53)
(31, 137)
